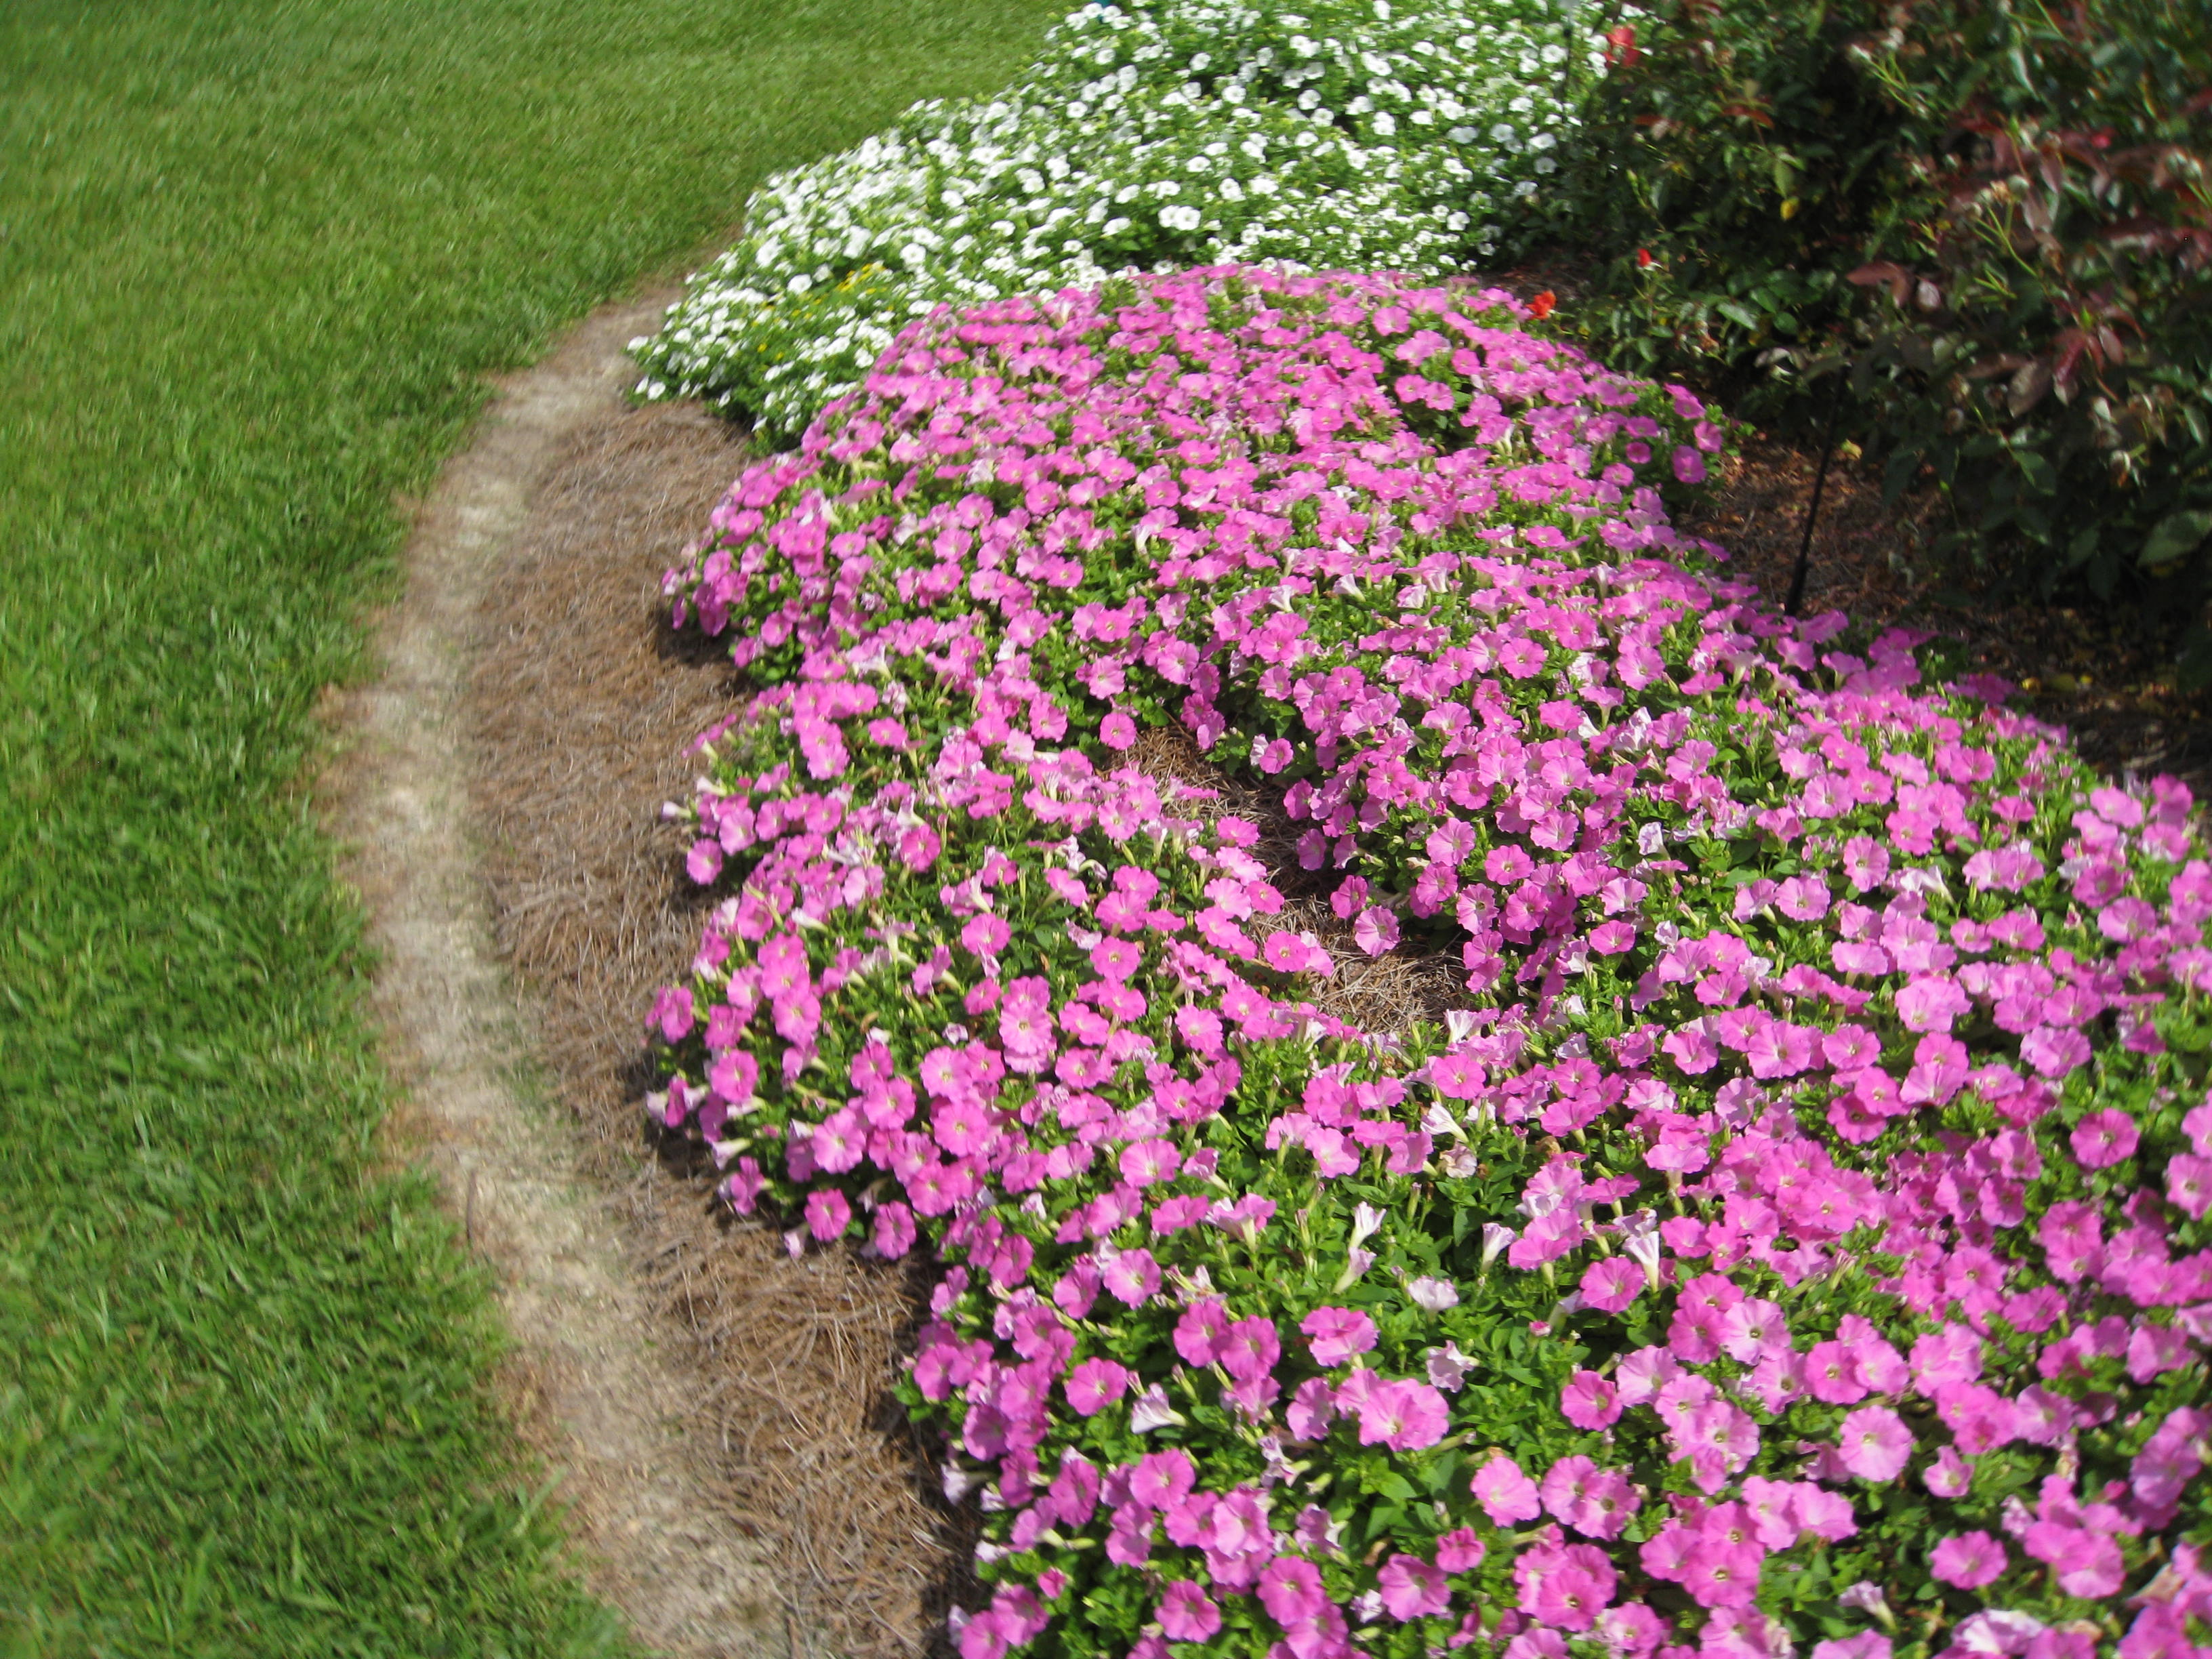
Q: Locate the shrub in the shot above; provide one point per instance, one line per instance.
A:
(1797, 1233)
(1157, 134)
(1733, 165)
(2028, 182)
(2049, 341)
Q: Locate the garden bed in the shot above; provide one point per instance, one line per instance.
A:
(881, 821)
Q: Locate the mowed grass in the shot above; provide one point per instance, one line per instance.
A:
(254, 259)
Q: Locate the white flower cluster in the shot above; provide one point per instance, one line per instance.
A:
(1151, 134)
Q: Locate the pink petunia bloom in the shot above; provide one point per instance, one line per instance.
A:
(1867, 1644)
(1291, 1589)
(1187, 1613)
(704, 861)
(1874, 1445)
(1825, 1514)
(1968, 1561)
(1200, 1332)
(1952, 1354)
(985, 935)
(1631, 1630)
(1096, 1384)
(1412, 1587)
(2189, 1184)
(894, 1229)
(829, 1212)
(2103, 1139)
(1146, 1162)
(2086, 1564)
(672, 1014)
(1610, 938)
(1751, 1327)
(1117, 731)
(1249, 1348)
(1337, 1334)
(1460, 1550)
(1949, 1475)
(1405, 1415)
(1569, 1599)
(1161, 1479)
(2054, 1051)
(1589, 1401)
(1596, 1502)
(1377, 931)
(1723, 1575)
(1310, 1409)
(1505, 1493)
(1611, 1285)
(1719, 1438)
(1833, 1377)
(1641, 1375)
(1132, 1277)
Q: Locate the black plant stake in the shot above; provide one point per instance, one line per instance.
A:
(1813, 507)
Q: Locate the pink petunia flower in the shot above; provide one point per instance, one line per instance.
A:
(1377, 931)
(1312, 1407)
(1505, 1493)
(2103, 1139)
(1589, 1401)
(1412, 1587)
(1337, 1334)
(1133, 1276)
(894, 1229)
(1460, 1550)
(1096, 1384)
(1968, 1561)
(1406, 1415)
(985, 935)
(829, 1212)
(1187, 1613)
(1249, 1348)
(2087, 1563)
(1291, 1589)
(1874, 1444)
(1611, 1285)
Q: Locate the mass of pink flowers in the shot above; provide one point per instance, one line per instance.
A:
(1792, 1235)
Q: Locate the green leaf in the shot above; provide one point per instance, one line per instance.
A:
(2176, 536)
(1739, 314)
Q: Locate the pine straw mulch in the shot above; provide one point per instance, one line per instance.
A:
(581, 705)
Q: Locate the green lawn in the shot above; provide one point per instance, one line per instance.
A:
(254, 257)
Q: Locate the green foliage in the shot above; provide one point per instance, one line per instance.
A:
(254, 261)
(1734, 162)
(2045, 341)
(2024, 188)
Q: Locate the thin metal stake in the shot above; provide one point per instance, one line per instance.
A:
(1813, 507)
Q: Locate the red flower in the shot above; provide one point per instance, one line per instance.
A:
(1643, 258)
(1540, 306)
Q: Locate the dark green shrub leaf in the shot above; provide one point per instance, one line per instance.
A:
(2177, 535)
